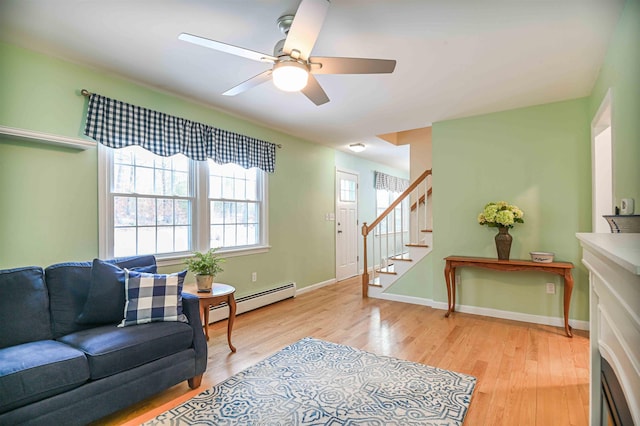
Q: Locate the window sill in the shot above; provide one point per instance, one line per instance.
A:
(178, 259)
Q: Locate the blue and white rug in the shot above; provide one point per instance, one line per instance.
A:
(313, 382)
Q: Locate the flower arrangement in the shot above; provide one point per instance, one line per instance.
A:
(500, 214)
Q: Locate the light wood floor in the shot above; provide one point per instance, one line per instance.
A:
(527, 374)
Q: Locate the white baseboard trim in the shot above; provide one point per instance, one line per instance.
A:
(475, 310)
(487, 312)
(315, 286)
(515, 316)
(404, 299)
(253, 301)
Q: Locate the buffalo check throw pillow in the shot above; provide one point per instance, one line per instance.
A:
(153, 297)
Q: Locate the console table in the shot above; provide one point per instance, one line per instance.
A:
(559, 268)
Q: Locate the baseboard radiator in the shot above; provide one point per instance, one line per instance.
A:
(253, 301)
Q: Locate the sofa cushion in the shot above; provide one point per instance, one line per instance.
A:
(23, 288)
(69, 283)
(36, 370)
(153, 297)
(106, 299)
(112, 349)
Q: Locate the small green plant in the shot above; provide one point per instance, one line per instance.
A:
(207, 263)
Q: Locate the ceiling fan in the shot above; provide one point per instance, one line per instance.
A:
(293, 67)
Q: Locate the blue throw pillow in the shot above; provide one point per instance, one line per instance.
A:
(153, 297)
(106, 299)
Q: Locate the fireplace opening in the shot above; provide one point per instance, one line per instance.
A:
(615, 410)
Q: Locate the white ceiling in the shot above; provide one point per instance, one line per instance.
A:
(455, 58)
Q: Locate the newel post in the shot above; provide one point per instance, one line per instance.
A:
(365, 273)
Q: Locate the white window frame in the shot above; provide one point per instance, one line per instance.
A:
(200, 217)
(405, 219)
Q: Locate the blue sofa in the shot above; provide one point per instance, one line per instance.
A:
(57, 369)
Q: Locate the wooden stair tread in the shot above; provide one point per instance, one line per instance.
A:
(386, 272)
(375, 283)
(426, 230)
(416, 245)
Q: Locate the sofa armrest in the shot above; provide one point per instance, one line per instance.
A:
(191, 308)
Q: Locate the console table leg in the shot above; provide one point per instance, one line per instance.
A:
(452, 280)
(568, 289)
(447, 278)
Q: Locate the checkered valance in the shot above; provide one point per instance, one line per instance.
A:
(390, 183)
(117, 124)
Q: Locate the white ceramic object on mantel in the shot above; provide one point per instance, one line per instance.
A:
(541, 256)
(626, 206)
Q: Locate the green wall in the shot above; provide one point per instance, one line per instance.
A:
(48, 195)
(537, 158)
(621, 73)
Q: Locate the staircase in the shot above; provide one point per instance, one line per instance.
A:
(398, 239)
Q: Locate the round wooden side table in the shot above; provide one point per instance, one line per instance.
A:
(220, 293)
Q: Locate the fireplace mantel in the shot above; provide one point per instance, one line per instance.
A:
(613, 261)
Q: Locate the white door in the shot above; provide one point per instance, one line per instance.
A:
(346, 225)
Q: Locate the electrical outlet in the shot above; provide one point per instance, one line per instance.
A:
(254, 277)
(551, 288)
(458, 279)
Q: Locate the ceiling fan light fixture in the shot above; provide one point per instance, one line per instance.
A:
(357, 147)
(290, 76)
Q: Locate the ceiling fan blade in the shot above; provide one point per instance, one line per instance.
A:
(248, 84)
(314, 92)
(226, 48)
(305, 28)
(351, 65)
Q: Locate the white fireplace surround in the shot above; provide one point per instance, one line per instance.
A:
(613, 261)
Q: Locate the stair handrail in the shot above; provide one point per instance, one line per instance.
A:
(421, 199)
(366, 229)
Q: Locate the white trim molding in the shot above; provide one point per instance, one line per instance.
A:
(315, 286)
(487, 312)
(47, 138)
(515, 316)
(407, 299)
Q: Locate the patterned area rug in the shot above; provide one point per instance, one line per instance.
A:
(313, 382)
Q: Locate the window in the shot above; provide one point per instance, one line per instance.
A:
(171, 206)
(348, 190)
(400, 214)
(234, 206)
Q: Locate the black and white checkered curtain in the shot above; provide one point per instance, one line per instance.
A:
(117, 124)
(390, 183)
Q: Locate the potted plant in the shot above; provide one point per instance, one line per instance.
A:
(503, 216)
(205, 266)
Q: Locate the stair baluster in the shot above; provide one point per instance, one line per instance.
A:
(383, 262)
